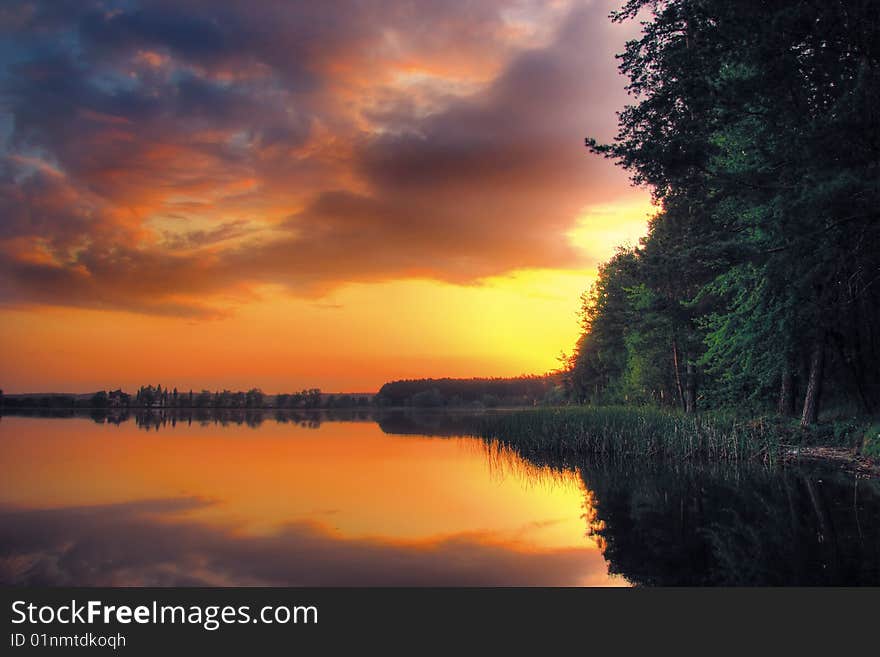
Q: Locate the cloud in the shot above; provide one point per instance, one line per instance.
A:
(162, 155)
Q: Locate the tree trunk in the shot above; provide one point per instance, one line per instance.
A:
(690, 405)
(814, 383)
(786, 393)
(677, 369)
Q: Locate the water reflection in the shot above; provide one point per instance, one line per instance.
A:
(723, 525)
(413, 422)
(401, 498)
(329, 503)
(136, 544)
(747, 526)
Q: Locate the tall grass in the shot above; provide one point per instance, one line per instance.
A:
(627, 433)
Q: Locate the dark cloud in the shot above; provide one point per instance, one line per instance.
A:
(145, 544)
(334, 136)
(188, 35)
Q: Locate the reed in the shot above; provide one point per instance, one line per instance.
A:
(634, 433)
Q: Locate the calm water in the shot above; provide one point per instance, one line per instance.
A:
(405, 500)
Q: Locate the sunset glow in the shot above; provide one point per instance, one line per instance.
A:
(307, 195)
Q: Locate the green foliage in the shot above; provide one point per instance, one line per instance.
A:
(871, 442)
(757, 129)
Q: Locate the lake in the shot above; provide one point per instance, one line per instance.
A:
(268, 499)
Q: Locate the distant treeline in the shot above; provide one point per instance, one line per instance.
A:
(150, 397)
(756, 126)
(478, 392)
(47, 400)
(423, 393)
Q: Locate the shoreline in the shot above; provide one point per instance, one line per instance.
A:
(844, 458)
(620, 433)
(769, 439)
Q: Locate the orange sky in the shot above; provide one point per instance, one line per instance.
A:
(316, 196)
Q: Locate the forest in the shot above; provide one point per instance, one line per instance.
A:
(480, 392)
(756, 127)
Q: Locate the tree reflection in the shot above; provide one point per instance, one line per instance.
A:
(154, 419)
(671, 525)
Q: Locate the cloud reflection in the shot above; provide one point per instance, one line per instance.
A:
(148, 543)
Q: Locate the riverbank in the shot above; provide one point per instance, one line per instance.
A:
(620, 433)
(844, 458)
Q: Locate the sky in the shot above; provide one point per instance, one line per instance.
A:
(229, 194)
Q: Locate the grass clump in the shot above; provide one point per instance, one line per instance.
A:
(620, 433)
